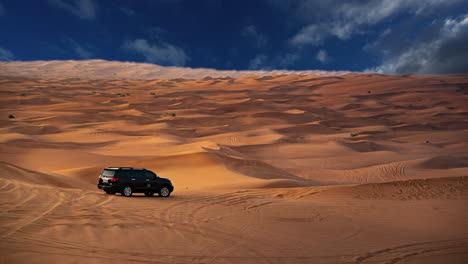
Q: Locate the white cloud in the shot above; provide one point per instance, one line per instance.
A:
(6, 55)
(251, 32)
(128, 11)
(312, 34)
(288, 59)
(344, 19)
(445, 52)
(162, 53)
(84, 9)
(279, 61)
(322, 56)
(2, 10)
(82, 52)
(79, 50)
(258, 63)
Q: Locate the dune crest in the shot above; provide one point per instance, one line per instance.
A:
(102, 69)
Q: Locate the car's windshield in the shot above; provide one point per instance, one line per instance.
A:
(108, 173)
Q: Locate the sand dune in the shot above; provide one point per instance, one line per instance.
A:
(307, 167)
(11, 172)
(445, 162)
(421, 189)
(446, 188)
(101, 69)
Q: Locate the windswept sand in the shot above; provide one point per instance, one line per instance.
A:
(358, 168)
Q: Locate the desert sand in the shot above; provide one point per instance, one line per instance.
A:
(356, 168)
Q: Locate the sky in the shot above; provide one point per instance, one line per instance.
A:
(386, 36)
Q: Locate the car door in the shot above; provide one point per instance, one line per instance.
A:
(150, 179)
(142, 180)
(136, 179)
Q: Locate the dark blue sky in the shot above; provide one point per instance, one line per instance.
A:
(392, 36)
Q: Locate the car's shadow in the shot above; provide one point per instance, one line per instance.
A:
(142, 196)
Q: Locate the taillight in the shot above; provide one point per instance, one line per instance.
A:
(114, 179)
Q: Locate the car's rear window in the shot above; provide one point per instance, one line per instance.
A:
(108, 173)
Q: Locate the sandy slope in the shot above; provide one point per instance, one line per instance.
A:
(275, 169)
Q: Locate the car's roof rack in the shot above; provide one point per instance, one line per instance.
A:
(124, 168)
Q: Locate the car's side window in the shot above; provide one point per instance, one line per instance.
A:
(130, 174)
(138, 175)
(150, 175)
(120, 174)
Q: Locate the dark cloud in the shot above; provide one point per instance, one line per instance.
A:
(444, 49)
(2, 10)
(322, 56)
(84, 9)
(128, 11)
(252, 33)
(259, 62)
(83, 52)
(6, 55)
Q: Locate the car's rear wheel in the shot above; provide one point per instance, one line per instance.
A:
(127, 191)
(164, 192)
(109, 192)
(149, 194)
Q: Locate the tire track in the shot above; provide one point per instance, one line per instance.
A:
(192, 216)
(400, 253)
(9, 187)
(23, 200)
(5, 184)
(235, 239)
(30, 220)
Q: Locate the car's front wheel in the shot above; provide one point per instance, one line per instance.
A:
(127, 191)
(164, 192)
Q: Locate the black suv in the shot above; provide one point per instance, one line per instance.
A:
(133, 180)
